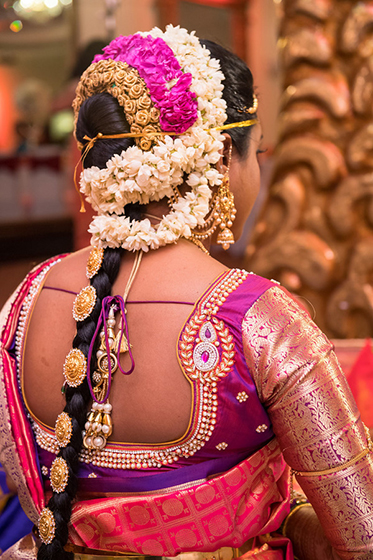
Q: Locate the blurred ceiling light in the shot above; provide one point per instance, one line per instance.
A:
(40, 9)
(51, 3)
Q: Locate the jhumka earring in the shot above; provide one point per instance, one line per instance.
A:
(222, 215)
(225, 212)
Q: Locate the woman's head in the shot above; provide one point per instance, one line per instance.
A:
(171, 98)
(238, 93)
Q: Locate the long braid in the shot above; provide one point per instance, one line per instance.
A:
(77, 401)
(102, 113)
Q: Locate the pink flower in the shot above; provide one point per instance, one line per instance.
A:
(157, 65)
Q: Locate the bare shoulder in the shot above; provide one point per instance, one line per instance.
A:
(69, 273)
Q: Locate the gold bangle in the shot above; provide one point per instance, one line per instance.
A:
(292, 512)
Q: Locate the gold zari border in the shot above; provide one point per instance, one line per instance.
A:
(332, 470)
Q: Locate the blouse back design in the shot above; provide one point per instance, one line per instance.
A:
(211, 356)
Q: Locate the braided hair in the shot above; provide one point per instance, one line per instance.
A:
(102, 113)
(98, 113)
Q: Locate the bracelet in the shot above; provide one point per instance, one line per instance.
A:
(292, 512)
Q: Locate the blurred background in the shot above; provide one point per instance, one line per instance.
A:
(312, 226)
(44, 47)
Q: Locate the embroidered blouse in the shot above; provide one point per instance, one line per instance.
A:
(259, 367)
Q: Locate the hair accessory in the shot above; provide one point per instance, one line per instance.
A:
(124, 83)
(254, 107)
(98, 427)
(59, 475)
(46, 526)
(63, 429)
(94, 262)
(75, 367)
(84, 303)
(251, 110)
(185, 85)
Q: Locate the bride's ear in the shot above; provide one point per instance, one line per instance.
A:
(225, 155)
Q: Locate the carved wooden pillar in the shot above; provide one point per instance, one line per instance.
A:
(315, 234)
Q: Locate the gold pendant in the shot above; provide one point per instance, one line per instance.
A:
(98, 427)
(123, 343)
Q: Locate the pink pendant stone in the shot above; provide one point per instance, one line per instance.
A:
(207, 333)
(205, 356)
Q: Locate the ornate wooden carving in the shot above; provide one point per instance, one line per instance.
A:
(315, 234)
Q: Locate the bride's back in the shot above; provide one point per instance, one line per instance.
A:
(153, 404)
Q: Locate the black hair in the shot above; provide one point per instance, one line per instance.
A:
(77, 402)
(102, 113)
(238, 92)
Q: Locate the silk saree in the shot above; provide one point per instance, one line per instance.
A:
(218, 487)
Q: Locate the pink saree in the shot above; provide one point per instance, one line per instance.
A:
(246, 501)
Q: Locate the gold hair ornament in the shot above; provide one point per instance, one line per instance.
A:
(84, 303)
(46, 526)
(91, 142)
(75, 367)
(96, 256)
(124, 83)
(63, 429)
(253, 109)
(100, 136)
(59, 475)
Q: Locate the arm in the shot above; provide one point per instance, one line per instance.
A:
(316, 421)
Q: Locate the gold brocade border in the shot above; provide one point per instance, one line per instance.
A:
(8, 452)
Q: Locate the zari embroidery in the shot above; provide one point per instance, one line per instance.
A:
(206, 353)
(316, 420)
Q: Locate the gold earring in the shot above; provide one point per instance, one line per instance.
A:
(225, 211)
(222, 214)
